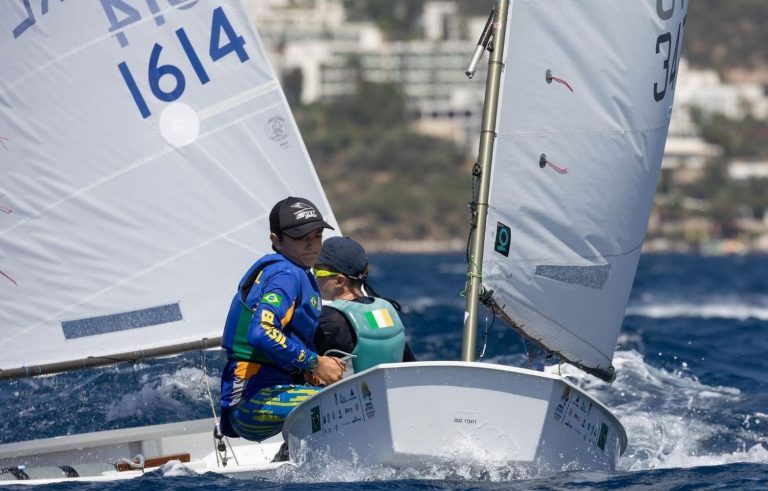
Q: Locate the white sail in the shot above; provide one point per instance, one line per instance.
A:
(144, 144)
(586, 100)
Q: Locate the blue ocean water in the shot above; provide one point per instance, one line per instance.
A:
(691, 385)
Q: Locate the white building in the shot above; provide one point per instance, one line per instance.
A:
(703, 89)
(686, 151)
(314, 37)
(741, 170)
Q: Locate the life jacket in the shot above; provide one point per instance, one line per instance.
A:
(240, 316)
(235, 339)
(380, 332)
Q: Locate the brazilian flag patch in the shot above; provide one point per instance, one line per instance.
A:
(272, 299)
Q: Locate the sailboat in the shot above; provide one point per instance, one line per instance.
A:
(130, 180)
(578, 103)
(144, 144)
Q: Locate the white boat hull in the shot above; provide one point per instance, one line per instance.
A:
(410, 415)
(422, 414)
(93, 456)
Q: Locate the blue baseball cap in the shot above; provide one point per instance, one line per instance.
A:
(345, 256)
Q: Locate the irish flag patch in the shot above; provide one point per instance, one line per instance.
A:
(379, 318)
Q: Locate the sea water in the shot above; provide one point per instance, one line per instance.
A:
(691, 386)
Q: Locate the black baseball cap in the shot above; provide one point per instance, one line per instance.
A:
(345, 256)
(295, 217)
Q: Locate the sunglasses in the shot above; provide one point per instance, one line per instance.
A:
(324, 273)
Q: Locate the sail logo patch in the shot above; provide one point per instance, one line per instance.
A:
(276, 129)
(272, 299)
(503, 239)
(379, 319)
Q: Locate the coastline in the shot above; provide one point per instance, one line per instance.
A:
(427, 246)
(652, 246)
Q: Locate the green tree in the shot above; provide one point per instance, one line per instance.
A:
(383, 179)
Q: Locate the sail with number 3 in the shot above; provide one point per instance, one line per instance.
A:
(585, 104)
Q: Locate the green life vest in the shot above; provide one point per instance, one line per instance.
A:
(380, 332)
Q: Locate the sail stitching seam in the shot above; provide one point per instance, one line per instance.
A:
(130, 278)
(582, 132)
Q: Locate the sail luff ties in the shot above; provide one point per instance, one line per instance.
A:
(8, 277)
(543, 161)
(549, 77)
(7, 211)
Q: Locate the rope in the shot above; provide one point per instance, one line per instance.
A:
(220, 446)
(487, 331)
(8, 278)
(207, 383)
(549, 78)
(543, 161)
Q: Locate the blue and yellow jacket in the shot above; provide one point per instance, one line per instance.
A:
(269, 330)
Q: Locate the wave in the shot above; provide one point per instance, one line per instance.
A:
(739, 308)
(672, 419)
(179, 393)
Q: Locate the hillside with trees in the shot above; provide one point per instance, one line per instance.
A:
(725, 35)
(386, 181)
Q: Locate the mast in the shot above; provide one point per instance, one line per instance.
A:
(487, 140)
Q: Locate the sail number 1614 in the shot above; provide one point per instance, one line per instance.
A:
(220, 28)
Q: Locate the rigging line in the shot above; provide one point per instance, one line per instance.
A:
(8, 278)
(553, 321)
(487, 331)
(561, 170)
(549, 77)
(563, 82)
(532, 355)
(5, 210)
(204, 366)
(207, 383)
(543, 161)
(472, 267)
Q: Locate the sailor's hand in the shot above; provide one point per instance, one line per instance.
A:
(329, 369)
(312, 379)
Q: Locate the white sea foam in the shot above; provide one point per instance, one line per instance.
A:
(665, 414)
(175, 468)
(162, 394)
(322, 468)
(724, 307)
(423, 303)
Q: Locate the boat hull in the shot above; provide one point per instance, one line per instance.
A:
(94, 456)
(423, 414)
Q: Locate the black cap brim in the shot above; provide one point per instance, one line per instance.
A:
(304, 229)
